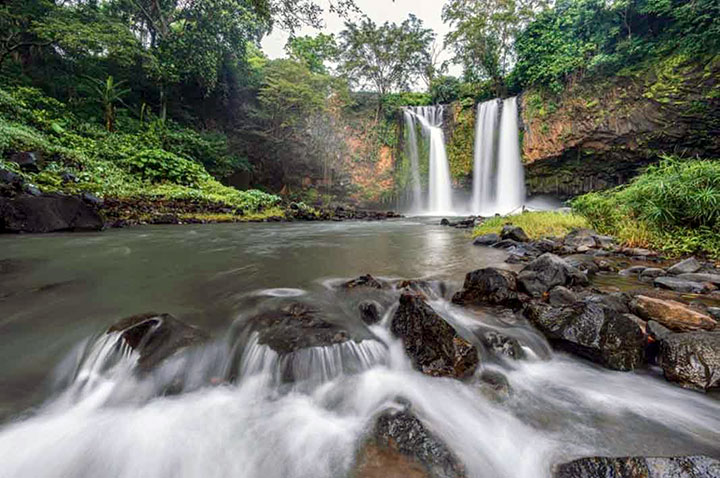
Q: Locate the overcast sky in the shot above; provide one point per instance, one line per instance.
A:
(380, 11)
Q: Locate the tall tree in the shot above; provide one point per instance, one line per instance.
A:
(483, 34)
(388, 57)
(314, 52)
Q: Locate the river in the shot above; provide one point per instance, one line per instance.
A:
(70, 411)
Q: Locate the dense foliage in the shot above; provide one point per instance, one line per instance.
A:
(674, 205)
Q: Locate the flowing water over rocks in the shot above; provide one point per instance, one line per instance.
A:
(272, 364)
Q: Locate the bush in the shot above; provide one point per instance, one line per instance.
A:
(674, 205)
(157, 165)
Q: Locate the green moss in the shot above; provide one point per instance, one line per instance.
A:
(462, 142)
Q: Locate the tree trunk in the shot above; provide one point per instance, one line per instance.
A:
(163, 104)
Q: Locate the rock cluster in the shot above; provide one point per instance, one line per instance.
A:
(640, 467)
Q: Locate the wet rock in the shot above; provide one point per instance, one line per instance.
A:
(580, 238)
(400, 446)
(10, 178)
(651, 273)
(687, 266)
(679, 285)
(691, 359)
(487, 239)
(592, 330)
(546, 272)
(296, 326)
(631, 271)
(444, 221)
(430, 342)
(47, 213)
(506, 244)
(638, 252)
(489, 286)
(430, 288)
(583, 263)
(605, 241)
(496, 385)
(155, 337)
(640, 467)
(364, 281)
(616, 301)
(28, 161)
(370, 312)
(560, 295)
(673, 315)
(502, 345)
(546, 245)
(32, 190)
(657, 330)
(91, 199)
(514, 233)
(700, 277)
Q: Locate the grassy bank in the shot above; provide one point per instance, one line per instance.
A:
(673, 207)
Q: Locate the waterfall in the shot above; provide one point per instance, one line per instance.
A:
(498, 176)
(414, 162)
(439, 186)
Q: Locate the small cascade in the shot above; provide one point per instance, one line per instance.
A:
(412, 149)
(498, 176)
(430, 119)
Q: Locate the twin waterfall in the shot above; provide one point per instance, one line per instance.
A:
(498, 177)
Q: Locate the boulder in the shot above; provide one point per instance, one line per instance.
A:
(489, 286)
(592, 330)
(487, 239)
(370, 312)
(673, 315)
(364, 281)
(691, 359)
(699, 277)
(583, 263)
(296, 326)
(400, 446)
(47, 213)
(687, 266)
(560, 295)
(546, 272)
(581, 238)
(680, 285)
(502, 345)
(640, 467)
(28, 161)
(156, 337)
(514, 233)
(431, 343)
(651, 273)
(633, 270)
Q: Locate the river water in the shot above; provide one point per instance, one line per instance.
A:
(71, 405)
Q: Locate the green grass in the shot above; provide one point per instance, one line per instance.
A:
(535, 224)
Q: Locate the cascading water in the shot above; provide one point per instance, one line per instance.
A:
(412, 149)
(498, 175)
(439, 184)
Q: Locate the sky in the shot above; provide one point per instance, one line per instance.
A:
(380, 11)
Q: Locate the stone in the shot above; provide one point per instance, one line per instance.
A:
(32, 190)
(691, 359)
(581, 238)
(591, 330)
(657, 330)
(583, 263)
(502, 345)
(640, 467)
(546, 272)
(679, 285)
(47, 213)
(434, 347)
(91, 199)
(10, 178)
(400, 446)
(506, 244)
(489, 286)
(686, 266)
(560, 295)
(28, 161)
(638, 252)
(634, 270)
(673, 315)
(487, 239)
(444, 222)
(514, 233)
(496, 385)
(294, 327)
(370, 312)
(155, 337)
(364, 281)
(651, 273)
(715, 312)
(546, 245)
(700, 277)
(605, 241)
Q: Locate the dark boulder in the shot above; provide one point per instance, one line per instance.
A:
(680, 285)
(370, 312)
(296, 326)
(514, 233)
(686, 266)
(28, 161)
(583, 263)
(701, 277)
(487, 239)
(401, 446)
(501, 345)
(640, 467)
(489, 286)
(430, 342)
(592, 330)
(546, 272)
(364, 281)
(560, 295)
(651, 273)
(580, 238)
(156, 337)
(47, 213)
(691, 359)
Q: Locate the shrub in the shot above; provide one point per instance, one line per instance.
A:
(157, 165)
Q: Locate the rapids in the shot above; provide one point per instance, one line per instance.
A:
(73, 406)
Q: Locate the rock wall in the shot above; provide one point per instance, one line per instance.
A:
(600, 133)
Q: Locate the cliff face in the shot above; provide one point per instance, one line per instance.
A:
(598, 134)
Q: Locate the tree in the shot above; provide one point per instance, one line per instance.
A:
(483, 35)
(108, 94)
(313, 52)
(388, 57)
